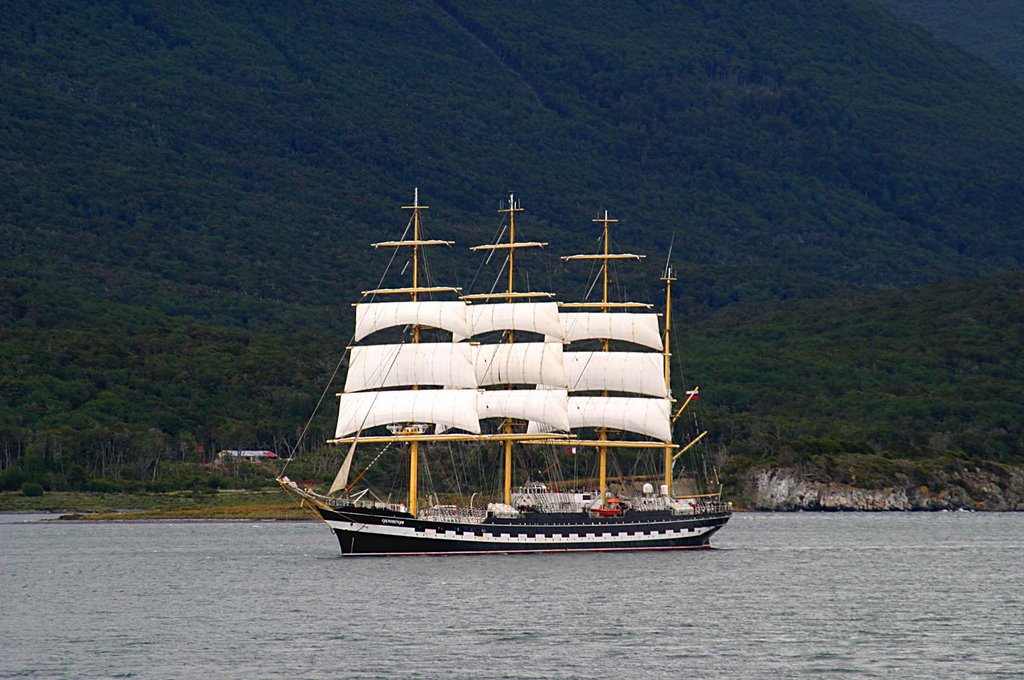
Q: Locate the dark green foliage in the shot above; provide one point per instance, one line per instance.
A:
(31, 489)
(202, 161)
(993, 30)
(189, 191)
(11, 479)
(908, 374)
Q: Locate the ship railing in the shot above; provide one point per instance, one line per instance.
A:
(369, 505)
(712, 507)
(556, 502)
(547, 501)
(452, 513)
(648, 502)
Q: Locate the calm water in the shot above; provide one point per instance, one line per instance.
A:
(788, 595)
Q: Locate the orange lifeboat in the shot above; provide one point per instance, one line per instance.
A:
(613, 509)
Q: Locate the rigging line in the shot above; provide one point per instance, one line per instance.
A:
(703, 457)
(367, 469)
(582, 372)
(337, 368)
(676, 350)
(668, 260)
(378, 392)
(496, 241)
(426, 266)
(637, 462)
(497, 279)
(597, 277)
(316, 408)
(646, 294)
(455, 469)
(430, 479)
(597, 249)
(347, 351)
(551, 278)
(428, 277)
(486, 260)
(590, 274)
(394, 254)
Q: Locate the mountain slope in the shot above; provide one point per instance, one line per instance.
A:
(993, 30)
(189, 189)
(238, 148)
(915, 373)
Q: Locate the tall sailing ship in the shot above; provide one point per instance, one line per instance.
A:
(503, 370)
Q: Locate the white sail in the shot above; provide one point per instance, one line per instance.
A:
(341, 479)
(639, 372)
(547, 407)
(633, 414)
(449, 408)
(427, 363)
(639, 328)
(537, 317)
(520, 363)
(374, 316)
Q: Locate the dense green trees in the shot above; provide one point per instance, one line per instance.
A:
(909, 374)
(188, 192)
(990, 29)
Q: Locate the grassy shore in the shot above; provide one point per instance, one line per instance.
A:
(223, 504)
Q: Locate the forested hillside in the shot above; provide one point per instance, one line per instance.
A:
(993, 30)
(912, 373)
(188, 191)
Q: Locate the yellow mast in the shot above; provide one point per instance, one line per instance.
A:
(605, 305)
(511, 210)
(602, 434)
(411, 435)
(414, 447)
(507, 429)
(668, 279)
(509, 296)
(408, 434)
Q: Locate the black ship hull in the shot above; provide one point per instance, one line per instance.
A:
(371, 532)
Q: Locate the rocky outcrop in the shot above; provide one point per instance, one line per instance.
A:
(972, 489)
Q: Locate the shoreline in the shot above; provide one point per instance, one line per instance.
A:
(231, 504)
(86, 519)
(293, 513)
(264, 505)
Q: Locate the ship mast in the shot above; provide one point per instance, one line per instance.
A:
(668, 278)
(509, 295)
(415, 291)
(605, 305)
(414, 447)
(602, 434)
(442, 380)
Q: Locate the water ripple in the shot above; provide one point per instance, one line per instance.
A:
(802, 595)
